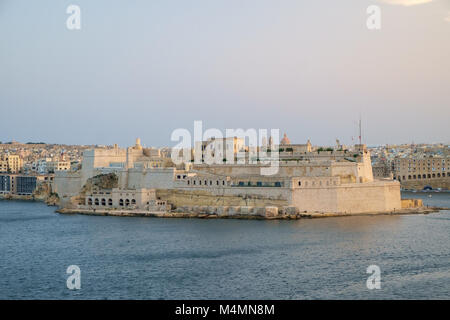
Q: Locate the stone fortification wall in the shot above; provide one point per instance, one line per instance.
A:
(67, 185)
(349, 198)
(180, 198)
(151, 178)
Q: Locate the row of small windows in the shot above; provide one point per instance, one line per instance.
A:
(205, 182)
(127, 202)
(425, 176)
(313, 183)
(103, 202)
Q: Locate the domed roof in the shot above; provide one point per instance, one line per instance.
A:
(285, 140)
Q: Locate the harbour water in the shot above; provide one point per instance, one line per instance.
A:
(151, 258)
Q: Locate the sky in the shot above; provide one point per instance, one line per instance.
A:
(310, 68)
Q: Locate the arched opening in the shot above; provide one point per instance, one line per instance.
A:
(133, 201)
(90, 201)
(299, 183)
(96, 202)
(121, 202)
(109, 202)
(103, 202)
(438, 175)
(127, 202)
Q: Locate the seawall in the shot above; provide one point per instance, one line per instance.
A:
(240, 215)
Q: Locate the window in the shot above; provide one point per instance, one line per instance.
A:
(299, 183)
(109, 202)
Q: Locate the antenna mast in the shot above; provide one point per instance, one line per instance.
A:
(360, 129)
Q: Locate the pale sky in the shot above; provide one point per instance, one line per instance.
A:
(145, 68)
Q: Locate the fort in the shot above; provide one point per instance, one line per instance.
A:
(308, 182)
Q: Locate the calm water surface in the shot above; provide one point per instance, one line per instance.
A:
(150, 258)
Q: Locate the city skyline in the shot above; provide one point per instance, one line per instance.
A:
(144, 70)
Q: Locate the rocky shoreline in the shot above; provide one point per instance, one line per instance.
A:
(131, 213)
(49, 200)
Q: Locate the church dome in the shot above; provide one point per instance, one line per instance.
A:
(285, 140)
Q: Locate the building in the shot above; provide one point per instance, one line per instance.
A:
(24, 185)
(224, 146)
(115, 198)
(328, 181)
(5, 184)
(11, 163)
(54, 166)
(421, 172)
(382, 169)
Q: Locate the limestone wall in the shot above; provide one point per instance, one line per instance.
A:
(286, 169)
(369, 197)
(419, 184)
(159, 178)
(411, 203)
(207, 198)
(67, 185)
(349, 198)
